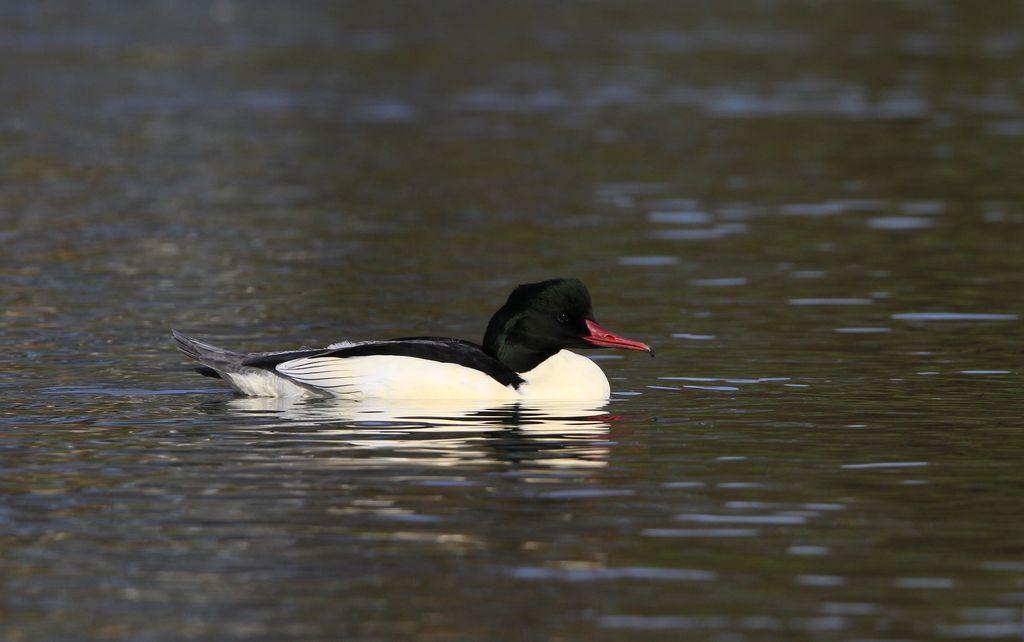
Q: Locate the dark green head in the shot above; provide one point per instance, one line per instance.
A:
(539, 319)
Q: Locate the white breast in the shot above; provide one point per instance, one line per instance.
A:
(565, 375)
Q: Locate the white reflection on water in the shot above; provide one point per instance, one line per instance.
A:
(831, 301)
(682, 217)
(700, 234)
(825, 208)
(711, 533)
(899, 223)
(441, 432)
(711, 623)
(820, 580)
(954, 316)
(703, 518)
(570, 574)
(720, 282)
(726, 379)
(924, 583)
(986, 372)
(887, 464)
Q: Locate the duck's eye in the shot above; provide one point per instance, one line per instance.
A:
(563, 317)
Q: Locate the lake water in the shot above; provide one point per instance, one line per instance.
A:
(812, 210)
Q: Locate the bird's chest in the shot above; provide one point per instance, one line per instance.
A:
(565, 375)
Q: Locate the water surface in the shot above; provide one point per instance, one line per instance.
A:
(812, 211)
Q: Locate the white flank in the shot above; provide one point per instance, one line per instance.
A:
(393, 377)
(565, 375)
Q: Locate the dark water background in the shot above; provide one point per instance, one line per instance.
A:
(812, 209)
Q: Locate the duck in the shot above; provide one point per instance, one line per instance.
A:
(527, 354)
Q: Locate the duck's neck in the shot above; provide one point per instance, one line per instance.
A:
(507, 344)
(519, 358)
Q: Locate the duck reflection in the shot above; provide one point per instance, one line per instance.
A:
(442, 433)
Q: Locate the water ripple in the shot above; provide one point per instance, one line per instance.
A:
(550, 574)
(954, 316)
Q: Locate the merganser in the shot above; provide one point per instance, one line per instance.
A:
(525, 355)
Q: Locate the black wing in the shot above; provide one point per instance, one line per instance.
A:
(457, 351)
(268, 360)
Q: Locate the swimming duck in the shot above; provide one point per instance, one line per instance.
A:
(526, 354)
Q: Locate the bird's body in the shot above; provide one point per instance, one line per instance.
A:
(524, 356)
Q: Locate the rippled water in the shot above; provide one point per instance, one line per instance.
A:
(812, 210)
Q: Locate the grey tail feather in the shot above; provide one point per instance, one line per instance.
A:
(214, 358)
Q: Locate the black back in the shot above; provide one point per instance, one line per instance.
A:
(457, 351)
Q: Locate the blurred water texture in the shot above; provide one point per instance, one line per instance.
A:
(812, 209)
